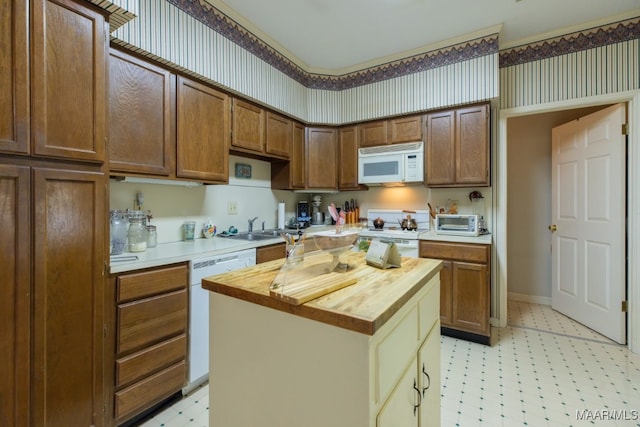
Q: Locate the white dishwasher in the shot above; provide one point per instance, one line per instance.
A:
(199, 309)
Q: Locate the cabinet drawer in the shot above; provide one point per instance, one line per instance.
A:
(148, 321)
(151, 390)
(455, 251)
(153, 282)
(394, 352)
(145, 362)
(429, 307)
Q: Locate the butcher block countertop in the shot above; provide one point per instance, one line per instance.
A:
(361, 307)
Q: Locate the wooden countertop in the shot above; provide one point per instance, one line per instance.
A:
(363, 307)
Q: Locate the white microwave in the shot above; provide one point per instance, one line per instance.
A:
(396, 163)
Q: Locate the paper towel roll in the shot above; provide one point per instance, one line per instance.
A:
(281, 215)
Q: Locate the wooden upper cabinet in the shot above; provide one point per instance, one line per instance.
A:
(297, 160)
(374, 133)
(68, 80)
(278, 137)
(322, 156)
(14, 77)
(202, 132)
(348, 158)
(392, 131)
(472, 145)
(440, 150)
(405, 129)
(291, 174)
(141, 116)
(248, 126)
(457, 153)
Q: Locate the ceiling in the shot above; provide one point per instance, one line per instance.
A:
(337, 36)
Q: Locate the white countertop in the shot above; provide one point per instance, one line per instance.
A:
(170, 253)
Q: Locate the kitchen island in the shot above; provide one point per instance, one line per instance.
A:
(365, 355)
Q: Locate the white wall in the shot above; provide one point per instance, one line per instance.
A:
(529, 202)
(171, 205)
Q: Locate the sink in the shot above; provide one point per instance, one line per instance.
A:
(257, 235)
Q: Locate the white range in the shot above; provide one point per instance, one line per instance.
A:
(406, 241)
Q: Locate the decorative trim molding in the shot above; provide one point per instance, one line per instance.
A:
(571, 43)
(233, 31)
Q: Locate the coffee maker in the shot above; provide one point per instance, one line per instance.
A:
(303, 215)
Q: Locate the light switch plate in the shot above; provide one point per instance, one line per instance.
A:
(232, 207)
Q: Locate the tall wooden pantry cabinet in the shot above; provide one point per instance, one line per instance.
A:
(52, 212)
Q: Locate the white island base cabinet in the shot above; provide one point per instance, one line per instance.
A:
(269, 368)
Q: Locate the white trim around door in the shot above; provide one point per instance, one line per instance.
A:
(632, 98)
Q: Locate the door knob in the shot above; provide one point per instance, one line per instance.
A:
(553, 227)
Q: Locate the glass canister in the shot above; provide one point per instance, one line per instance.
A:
(118, 231)
(152, 236)
(137, 231)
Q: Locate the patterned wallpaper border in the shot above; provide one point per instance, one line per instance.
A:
(571, 43)
(232, 30)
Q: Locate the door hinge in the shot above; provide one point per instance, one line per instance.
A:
(624, 307)
(625, 129)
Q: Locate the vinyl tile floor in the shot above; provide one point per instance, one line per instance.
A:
(543, 369)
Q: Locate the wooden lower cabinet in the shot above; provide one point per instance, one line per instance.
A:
(51, 315)
(465, 288)
(270, 253)
(150, 338)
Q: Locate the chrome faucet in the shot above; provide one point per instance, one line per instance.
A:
(251, 224)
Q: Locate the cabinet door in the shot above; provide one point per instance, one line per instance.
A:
(470, 296)
(270, 253)
(69, 228)
(202, 132)
(472, 145)
(248, 126)
(348, 158)
(429, 384)
(68, 80)
(446, 285)
(141, 99)
(278, 139)
(15, 305)
(298, 158)
(405, 129)
(402, 406)
(14, 78)
(322, 158)
(373, 133)
(440, 154)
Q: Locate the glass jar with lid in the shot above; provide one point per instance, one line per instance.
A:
(118, 231)
(152, 236)
(137, 231)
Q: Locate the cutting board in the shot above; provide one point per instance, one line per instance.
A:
(301, 291)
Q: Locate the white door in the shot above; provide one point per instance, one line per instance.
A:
(588, 212)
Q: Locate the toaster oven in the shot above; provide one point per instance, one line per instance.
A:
(457, 225)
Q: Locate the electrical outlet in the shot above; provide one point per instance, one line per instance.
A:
(232, 207)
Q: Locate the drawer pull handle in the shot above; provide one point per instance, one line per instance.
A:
(424, 389)
(415, 407)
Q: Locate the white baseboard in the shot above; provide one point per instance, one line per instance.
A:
(532, 299)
